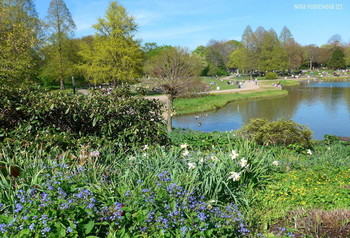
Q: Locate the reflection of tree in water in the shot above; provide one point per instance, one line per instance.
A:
(325, 109)
(283, 107)
(270, 109)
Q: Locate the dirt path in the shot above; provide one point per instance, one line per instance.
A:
(247, 86)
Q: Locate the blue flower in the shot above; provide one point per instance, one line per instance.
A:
(69, 229)
(31, 227)
(45, 230)
(2, 227)
(19, 208)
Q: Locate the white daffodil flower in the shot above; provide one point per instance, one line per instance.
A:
(234, 155)
(309, 152)
(186, 153)
(276, 163)
(184, 146)
(243, 163)
(191, 165)
(234, 176)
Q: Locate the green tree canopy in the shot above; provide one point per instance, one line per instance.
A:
(272, 55)
(19, 41)
(113, 56)
(337, 60)
(60, 27)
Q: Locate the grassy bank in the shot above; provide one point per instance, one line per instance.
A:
(211, 102)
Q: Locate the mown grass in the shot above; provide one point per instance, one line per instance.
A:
(222, 84)
(211, 102)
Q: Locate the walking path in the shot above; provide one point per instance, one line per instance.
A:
(247, 86)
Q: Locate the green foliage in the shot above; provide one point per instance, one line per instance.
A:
(117, 116)
(337, 60)
(271, 75)
(202, 141)
(19, 41)
(113, 56)
(61, 25)
(281, 132)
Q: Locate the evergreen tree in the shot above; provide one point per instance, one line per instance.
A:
(337, 60)
(114, 56)
(60, 26)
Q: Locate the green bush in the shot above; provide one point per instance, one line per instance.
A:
(116, 116)
(271, 75)
(281, 132)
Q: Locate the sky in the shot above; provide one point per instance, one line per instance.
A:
(190, 23)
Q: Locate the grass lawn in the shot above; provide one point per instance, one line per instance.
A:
(210, 102)
(222, 84)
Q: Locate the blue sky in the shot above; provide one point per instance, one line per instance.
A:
(191, 23)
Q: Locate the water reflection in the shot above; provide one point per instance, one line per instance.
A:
(324, 107)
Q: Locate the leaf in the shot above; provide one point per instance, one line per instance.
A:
(89, 226)
(94, 122)
(121, 233)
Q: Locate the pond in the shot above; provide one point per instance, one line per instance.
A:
(322, 106)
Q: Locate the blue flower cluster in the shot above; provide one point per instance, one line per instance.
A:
(65, 205)
(52, 207)
(173, 210)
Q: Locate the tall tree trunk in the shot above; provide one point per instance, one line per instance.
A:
(169, 109)
(60, 66)
(310, 64)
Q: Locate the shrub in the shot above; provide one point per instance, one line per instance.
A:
(116, 116)
(280, 132)
(271, 75)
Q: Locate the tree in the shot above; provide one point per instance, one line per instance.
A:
(176, 72)
(335, 41)
(60, 26)
(250, 59)
(114, 56)
(337, 60)
(295, 54)
(249, 39)
(293, 50)
(272, 55)
(285, 36)
(19, 41)
(218, 54)
(347, 55)
(311, 54)
(240, 59)
(70, 58)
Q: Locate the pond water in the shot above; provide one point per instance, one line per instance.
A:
(323, 106)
